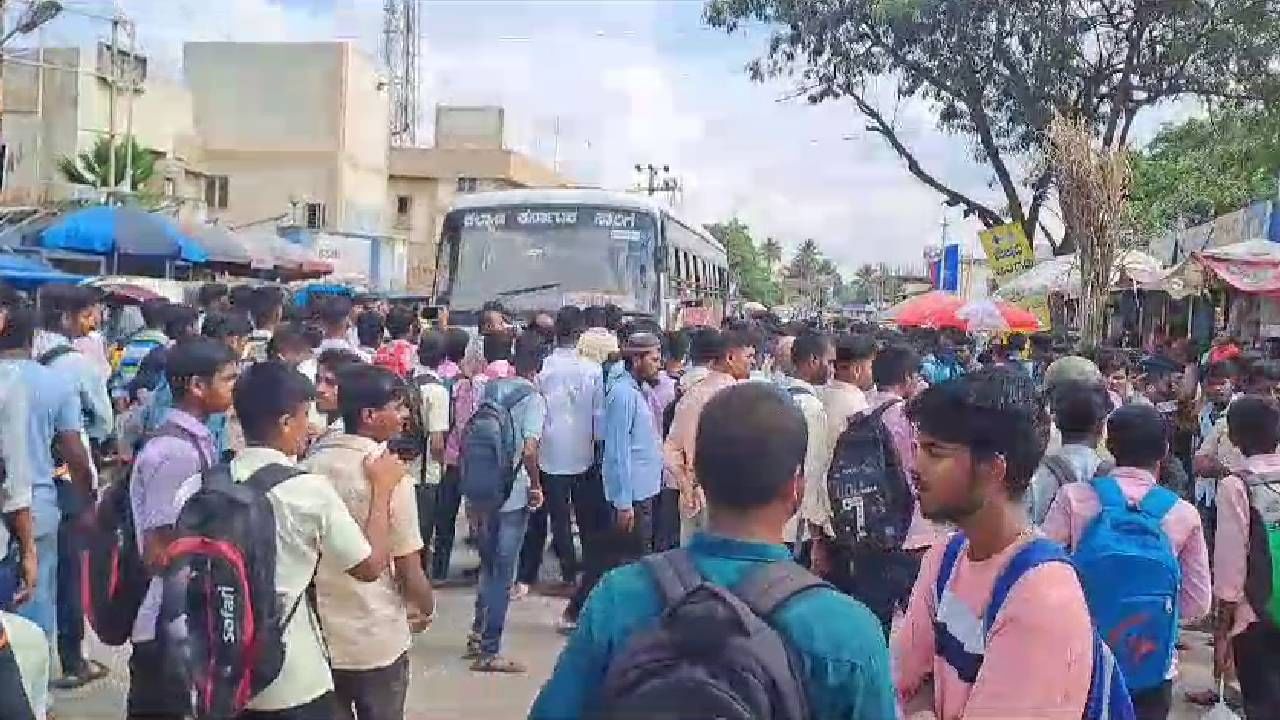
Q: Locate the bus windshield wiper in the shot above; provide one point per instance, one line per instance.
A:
(527, 290)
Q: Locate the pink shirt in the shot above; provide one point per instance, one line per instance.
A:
(466, 398)
(1039, 653)
(1231, 543)
(922, 533)
(1076, 505)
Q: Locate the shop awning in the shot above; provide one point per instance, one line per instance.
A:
(26, 273)
(107, 230)
(1252, 266)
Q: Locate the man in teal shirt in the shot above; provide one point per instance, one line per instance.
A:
(749, 460)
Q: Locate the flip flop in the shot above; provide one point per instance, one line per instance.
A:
(498, 664)
(92, 672)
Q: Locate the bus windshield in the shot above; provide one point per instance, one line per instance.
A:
(544, 257)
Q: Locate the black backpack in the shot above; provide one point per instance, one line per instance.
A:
(220, 613)
(117, 576)
(713, 652)
(871, 497)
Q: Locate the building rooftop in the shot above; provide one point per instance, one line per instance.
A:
(480, 163)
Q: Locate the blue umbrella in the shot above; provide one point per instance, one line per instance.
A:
(107, 230)
(28, 273)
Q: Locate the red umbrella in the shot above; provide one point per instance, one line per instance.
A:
(938, 309)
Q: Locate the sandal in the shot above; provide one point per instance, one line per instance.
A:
(91, 672)
(497, 664)
(473, 648)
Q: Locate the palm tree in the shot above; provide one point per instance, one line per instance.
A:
(772, 252)
(92, 167)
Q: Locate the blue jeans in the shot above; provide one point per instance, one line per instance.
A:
(499, 538)
(42, 608)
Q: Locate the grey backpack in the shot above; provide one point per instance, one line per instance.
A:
(713, 652)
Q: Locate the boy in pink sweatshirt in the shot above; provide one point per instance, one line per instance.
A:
(980, 439)
(1138, 439)
(1245, 637)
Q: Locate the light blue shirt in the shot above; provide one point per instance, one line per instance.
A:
(632, 467)
(573, 389)
(77, 371)
(527, 416)
(53, 406)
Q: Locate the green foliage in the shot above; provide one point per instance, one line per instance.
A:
(995, 73)
(746, 261)
(93, 167)
(1204, 168)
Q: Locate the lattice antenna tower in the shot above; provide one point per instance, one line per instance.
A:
(401, 50)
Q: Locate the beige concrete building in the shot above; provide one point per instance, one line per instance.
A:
(57, 103)
(469, 156)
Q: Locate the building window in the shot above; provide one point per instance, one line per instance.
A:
(217, 191)
(466, 185)
(404, 203)
(315, 216)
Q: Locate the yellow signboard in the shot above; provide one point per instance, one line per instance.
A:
(1038, 306)
(1009, 252)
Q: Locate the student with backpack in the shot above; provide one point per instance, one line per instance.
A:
(367, 625)
(137, 347)
(201, 374)
(1141, 555)
(729, 626)
(846, 395)
(250, 537)
(1246, 559)
(400, 353)
(811, 357)
(997, 617)
(501, 481)
(430, 410)
(1079, 410)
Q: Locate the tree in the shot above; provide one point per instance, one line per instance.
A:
(996, 73)
(92, 167)
(772, 253)
(804, 264)
(1204, 168)
(754, 281)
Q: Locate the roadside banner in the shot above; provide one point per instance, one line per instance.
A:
(1008, 251)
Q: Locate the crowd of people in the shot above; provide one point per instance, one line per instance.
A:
(758, 520)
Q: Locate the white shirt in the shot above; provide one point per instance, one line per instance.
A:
(842, 401)
(574, 391)
(815, 506)
(311, 521)
(15, 494)
(435, 409)
(345, 345)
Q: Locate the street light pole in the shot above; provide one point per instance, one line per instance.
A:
(38, 13)
(111, 104)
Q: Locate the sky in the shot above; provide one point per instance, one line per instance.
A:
(596, 86)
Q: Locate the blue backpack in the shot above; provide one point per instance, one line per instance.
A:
(487, 471)
(1131, 578)
(1108, 694)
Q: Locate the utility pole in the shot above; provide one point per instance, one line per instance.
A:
(111, 103)
(131, 88)
(652, 184)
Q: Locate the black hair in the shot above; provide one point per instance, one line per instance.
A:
(497, 346)
(313, 333)
(180, 321)
(1222, 370)
(493, 306)
(265, 303)
(400, 322)
(731, 340)
(993, 411)
(1079, 408)
(613, 317)
(808, 346)
(369, 327)
(211, 292)
(1111, 361)
(569, 323)
(595, 317)
(456, 341)
(287, 339)
(242, 297)
(19, 327)
(335, 359)
(529, 354)
(1267, 370)
(154, 312)
(1017, 342)
(194, 357)
(855, 348)
(431, 348)
(675, 345)
(333, 310)
(894, 365)
(223, 325)
(1137, 436)
(362, 387)
(1253, 424)
(705, 345)
(265, 393)
(59, 301)
(756, 416)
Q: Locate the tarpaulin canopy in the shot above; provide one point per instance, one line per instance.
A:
(222, 245)
(27, 273)
(105, 230)
(1252, 266)
(1062, 275)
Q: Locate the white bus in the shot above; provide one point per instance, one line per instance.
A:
(543, 249)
